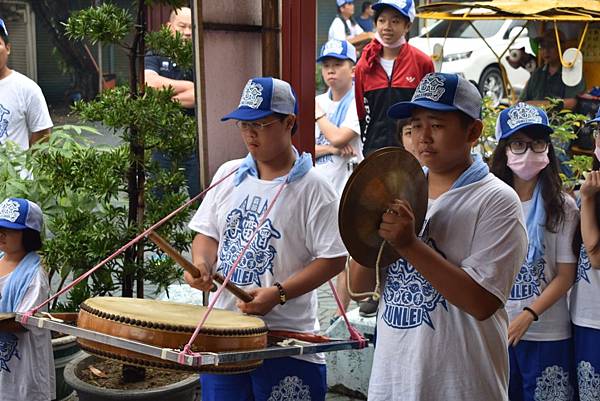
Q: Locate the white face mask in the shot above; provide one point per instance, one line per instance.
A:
(528, 165)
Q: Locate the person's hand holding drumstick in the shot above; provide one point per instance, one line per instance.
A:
(204, 256)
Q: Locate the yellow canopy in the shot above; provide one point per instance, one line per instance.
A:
(534, 10)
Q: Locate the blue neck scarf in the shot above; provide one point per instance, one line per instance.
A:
(301, 166)
(339, 114)
(18, 282)
(536, 222)
(477, 171)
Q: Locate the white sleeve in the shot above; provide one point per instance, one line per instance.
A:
(351, 120)
(499, 246)
(322, 234)
(205, 220)
(337, 30)
(564, 238)
(356, 30)
(38, 292)
(38, 116)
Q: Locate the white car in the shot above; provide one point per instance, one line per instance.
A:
(465, 53)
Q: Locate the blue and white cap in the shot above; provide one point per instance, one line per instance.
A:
(595, 119)
(262, 97)
(340, 49)
(521, 116)
(342, 2)
(20, 214)
(404, 7)
(441, 92)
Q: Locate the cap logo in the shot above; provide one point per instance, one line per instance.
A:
(9, 210)
(431, 87)
(523, 113)
(252, 95)
(333, 46)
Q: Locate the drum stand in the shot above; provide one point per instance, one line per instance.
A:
(278, 346)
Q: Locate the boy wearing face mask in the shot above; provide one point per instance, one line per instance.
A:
(539, 333)
(585, 296)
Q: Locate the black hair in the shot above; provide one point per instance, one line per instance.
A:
(282, 117)
(4, 38)
(577, 238)
(365, 5)
(352, 20)
(400, 124)
(465, 119)
(379, 10)
(32, 240)
(554, 201)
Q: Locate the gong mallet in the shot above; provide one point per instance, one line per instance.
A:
(190, 268)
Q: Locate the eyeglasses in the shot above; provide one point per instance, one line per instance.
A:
(3, 27)
(520, 147)
(247, 126)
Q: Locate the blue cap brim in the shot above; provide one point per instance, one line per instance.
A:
(11, 225)
(542, 127)
(380, 6)
(334, 55)
(405, 109)
(247, 114)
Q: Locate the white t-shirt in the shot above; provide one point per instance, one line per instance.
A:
(428, 349)
(26, 359)
(388, 66)
(554, 323)
(23, 109)
(337, 169)
(337, 30)
(585, 294)
(301, 227)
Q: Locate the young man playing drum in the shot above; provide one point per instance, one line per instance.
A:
(442, 327)
(295, 250)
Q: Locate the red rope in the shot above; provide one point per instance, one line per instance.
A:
(354, 334)
(187, 350)
(31, 312)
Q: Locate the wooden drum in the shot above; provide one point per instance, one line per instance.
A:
(170, 325)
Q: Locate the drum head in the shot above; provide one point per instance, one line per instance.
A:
(172, 314)
(385, 175)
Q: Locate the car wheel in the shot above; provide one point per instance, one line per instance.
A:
(491, 85)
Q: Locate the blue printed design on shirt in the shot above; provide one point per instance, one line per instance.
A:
(583, 266)
(8, 349)
(528, 281)
(408, 297)
(3, 122)
(321, 140)
(258, 258)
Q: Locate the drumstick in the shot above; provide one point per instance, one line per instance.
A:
(190, 268)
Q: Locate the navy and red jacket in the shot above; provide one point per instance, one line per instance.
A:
(375, 92)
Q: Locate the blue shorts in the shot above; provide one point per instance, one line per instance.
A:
(587, 362)
(541, 370)
(276, 379)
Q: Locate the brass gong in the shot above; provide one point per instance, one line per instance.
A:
(386, 174)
